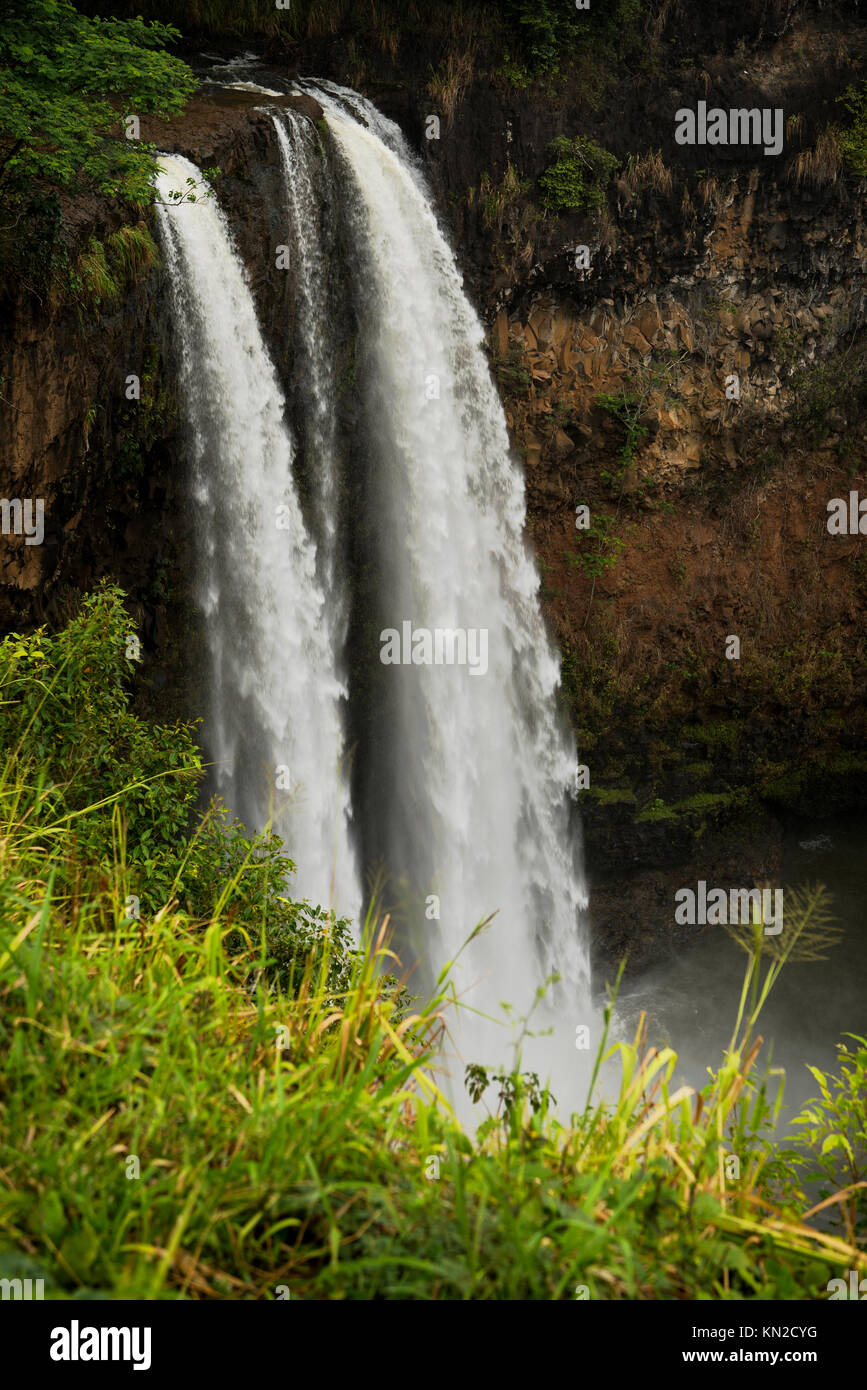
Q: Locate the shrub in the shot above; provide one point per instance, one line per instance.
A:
(837, 382)
(549, 31)
(83, 772)
(578, 174)
(648, 171)
(604, 546)
(66, 725)
(853, 140)
(499, 199)
(448, 84)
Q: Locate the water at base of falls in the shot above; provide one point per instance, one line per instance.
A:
(465, 776)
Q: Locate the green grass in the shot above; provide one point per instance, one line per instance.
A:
(104, 270)
(220, 1099)
(133, 251)
(500, 199)
(724, 733)
(712, 801)
(98, 282)
(656, 810)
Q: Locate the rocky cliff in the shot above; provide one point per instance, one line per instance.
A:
(687, 364)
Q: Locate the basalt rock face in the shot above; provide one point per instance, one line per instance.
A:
(71, 437)
(745, 376)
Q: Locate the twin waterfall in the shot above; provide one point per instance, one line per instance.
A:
(449, 787)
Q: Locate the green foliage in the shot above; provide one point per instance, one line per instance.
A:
(65, 83)
(718, 304)
(105, 269)
(787, 346)
(853, 138)
(832, 1144)
(611, 796)
(722, 734)
(223, 18)
(514, 1089)
(545, 28)
(700, 771)
(148, 421)
(628, 407)
(838, 382)
(656, 810)
(193, 188)
(597, 677)
(97, 281)
(115, 790)
(66, 723)
(604, 546)
(549, 32)
(578, 174)
(540, 34)
(708, 801)
(511, 371)
(171, 1129)
(133, 250)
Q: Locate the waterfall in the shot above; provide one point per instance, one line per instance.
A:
(274, 727)
(309, 203)
(475, 773)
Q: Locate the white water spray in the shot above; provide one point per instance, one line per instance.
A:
(274, 729)
(308, 195)
(483, 770)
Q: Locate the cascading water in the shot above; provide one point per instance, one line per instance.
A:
(477, 809)
(309, 198)
(274, 729)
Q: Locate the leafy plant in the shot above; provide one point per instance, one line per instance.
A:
(832, 1144)
(606, 547)
(852, 140)
(628, 407)
(66, 721)
(105, 269)
(514, 1089)
(577, 175)
(193, 188)
(65, 81)
(548, 32)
